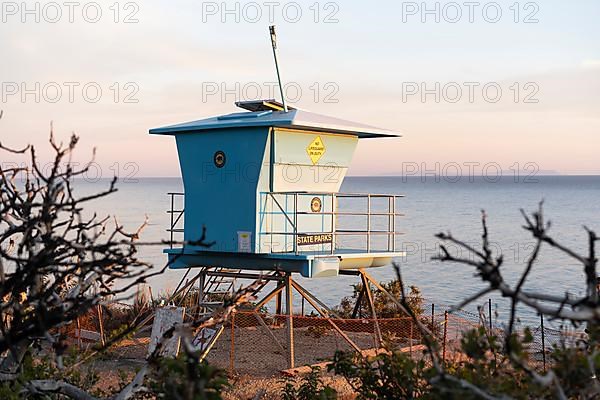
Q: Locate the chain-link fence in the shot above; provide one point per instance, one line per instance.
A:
(258, 343)
(543, 339)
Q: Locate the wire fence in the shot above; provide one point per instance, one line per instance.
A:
(543, 338)
(258, 343)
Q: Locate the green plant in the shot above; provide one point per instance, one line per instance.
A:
(310, 387)
(390, 375)
(384, 308)
(186, 378)
(288, 392)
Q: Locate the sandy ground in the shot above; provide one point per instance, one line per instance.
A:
(258, 361)
(242, 386)
(247, 387)
(257, 354)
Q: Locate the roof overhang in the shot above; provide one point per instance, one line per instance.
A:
(267, 114)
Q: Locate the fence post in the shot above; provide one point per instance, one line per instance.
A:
(432, 316)
(278, 303)
(411, 338)
(445, 335)
(289, 308)
(232, 350)
(78, 333)
(543, 342)
(490, 313)
(101, 325)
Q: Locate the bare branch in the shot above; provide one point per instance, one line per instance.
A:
(42, 387)
(585, 309)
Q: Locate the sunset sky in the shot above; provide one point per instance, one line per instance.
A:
(364, 61)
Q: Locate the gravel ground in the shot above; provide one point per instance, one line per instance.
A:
(258, 360)
(256, 354)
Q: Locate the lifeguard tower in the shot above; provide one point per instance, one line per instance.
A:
(262, 187)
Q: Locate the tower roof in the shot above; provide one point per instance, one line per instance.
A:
(270, 113)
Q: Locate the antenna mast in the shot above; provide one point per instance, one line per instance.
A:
(274, 44)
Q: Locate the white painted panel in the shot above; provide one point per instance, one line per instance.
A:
(303, 162)
(293, 148)
(307, 178)
(325, 267)
(299, 167)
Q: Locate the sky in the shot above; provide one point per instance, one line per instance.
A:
(512, 85)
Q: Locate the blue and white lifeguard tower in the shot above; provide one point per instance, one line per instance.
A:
(265, 183)
(262, 185)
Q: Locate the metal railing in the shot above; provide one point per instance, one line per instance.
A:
(176, 216)
(290, 216)
(291, 209)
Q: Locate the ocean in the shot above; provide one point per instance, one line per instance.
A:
(431, 205)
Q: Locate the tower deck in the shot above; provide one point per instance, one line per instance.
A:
(315, 234)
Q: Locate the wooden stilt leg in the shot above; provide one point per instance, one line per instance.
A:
(356, 310)
(422, 327)
(325, 315)
(316, 300)
(268, 297)
(367, 289)
(290, 318)
(278, 304)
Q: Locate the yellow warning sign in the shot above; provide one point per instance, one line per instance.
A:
(315, 150)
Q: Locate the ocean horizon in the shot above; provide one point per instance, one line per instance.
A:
(431, 206)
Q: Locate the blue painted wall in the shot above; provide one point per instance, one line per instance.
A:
(222, 199)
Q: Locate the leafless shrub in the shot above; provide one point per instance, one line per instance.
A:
(57, 265)
(570, 309)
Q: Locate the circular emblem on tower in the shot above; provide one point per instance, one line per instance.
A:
(315, 205)
(219, 159)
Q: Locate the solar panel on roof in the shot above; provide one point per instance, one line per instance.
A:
(243, 115)
(262, 105)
